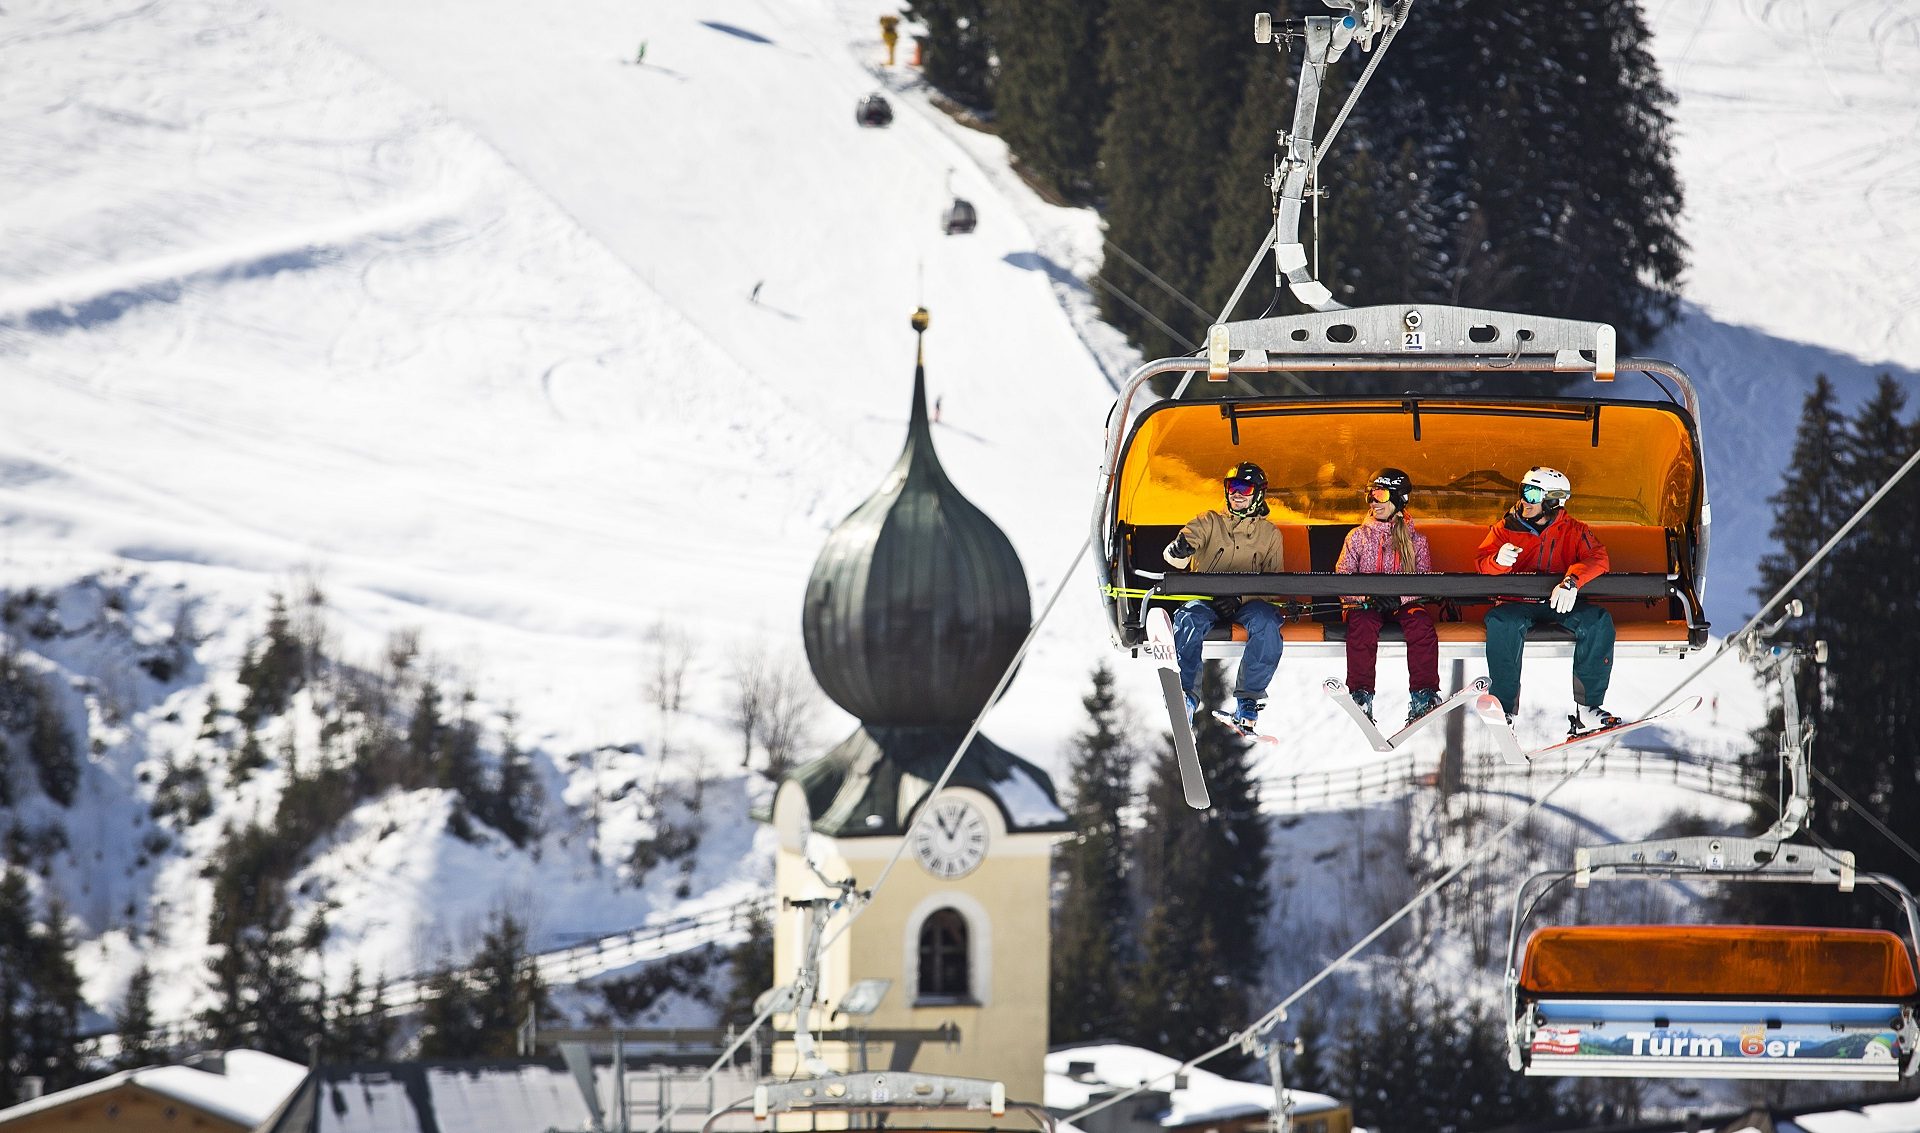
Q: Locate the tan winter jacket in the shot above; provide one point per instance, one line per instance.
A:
(1230, 544)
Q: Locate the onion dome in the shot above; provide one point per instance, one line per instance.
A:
(917, 602)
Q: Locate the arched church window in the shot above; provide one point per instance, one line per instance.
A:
(944, 960)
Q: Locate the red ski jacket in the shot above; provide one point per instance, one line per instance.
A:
(1564, 547)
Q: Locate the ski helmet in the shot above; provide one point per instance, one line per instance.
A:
(1554, 487)
(1397, 483)
(1247, 472)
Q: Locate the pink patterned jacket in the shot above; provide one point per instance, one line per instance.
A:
(1369, 550)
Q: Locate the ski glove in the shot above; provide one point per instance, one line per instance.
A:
(1507, 555)
(1178, 553)
(1563, 595)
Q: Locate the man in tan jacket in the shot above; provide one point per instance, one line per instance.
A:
(1238, 540)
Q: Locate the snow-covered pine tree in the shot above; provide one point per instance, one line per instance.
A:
(1093, 916)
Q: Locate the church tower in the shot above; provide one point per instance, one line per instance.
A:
(916, 606)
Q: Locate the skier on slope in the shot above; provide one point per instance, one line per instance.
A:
(1537, 536)
(1237, 540)
(1386, 543)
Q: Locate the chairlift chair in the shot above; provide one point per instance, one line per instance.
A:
(1636, 467)
(959, 218)
(1717, 1000)
(1721, 1001)
(874, 111)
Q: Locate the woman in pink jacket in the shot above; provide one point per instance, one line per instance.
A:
(1387, 544)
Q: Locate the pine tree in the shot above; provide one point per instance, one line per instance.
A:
(1861, 600)
(1161, 141)
(1202, 886)
(959, 56)
(1090, 940)
(510, 985)
(1310, 1069)
(1527, 216)
(47, 1015)
(16, 950)
(1872, 612)
(50, 745)
(133, 1023)
(448, 1027)
(1049, 96)
(274, 668)
(514, 808)
(477, 1013)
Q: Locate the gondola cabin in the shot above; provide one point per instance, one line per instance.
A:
(1716, 1001)
(1635, 465)
(960, 218)
(873, 111)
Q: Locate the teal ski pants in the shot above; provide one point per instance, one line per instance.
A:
(1592, 627)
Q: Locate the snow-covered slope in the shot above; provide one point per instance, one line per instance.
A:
(453, 308)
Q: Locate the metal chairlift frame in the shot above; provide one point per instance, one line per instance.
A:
(1769, 858)
(879, 1095)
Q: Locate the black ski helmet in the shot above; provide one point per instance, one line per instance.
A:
(1394, 481)
(1253, 474)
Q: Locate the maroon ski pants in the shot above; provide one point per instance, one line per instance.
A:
(1363, 646)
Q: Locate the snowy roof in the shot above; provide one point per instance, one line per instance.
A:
(249, 1088)
(1205, 1097)
(868, 785)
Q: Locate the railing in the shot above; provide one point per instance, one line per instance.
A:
(1404, 772)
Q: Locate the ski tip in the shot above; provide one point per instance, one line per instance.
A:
(1487, 707)
(1482, 684)
(1199, 800)
(1332, 687)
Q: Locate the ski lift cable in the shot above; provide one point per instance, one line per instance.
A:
(1279, 1010)
(1146, 314)
(906, 836)
(1164, 285)
(1872, 819)
(1353, 96)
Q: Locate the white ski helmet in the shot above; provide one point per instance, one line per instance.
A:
(1554, 486)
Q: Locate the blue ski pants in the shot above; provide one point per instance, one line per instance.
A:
(1592, 626)
(1190, 625)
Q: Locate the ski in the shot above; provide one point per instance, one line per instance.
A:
(1160, 648)
(1253, 734)
(1368, 728)
(1465, 696)
(1492, 713)
(1382, 742)
(1489, 709)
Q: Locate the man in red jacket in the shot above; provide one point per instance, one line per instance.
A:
(1537, 536)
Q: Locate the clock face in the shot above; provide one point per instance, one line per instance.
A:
(952, 841)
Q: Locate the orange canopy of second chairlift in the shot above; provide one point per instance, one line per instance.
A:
(1719, 961)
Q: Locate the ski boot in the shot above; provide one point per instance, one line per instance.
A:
(1364, 698)
(1587, 719)
(1245, 715)
(1193, 706)
(1421, 702)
